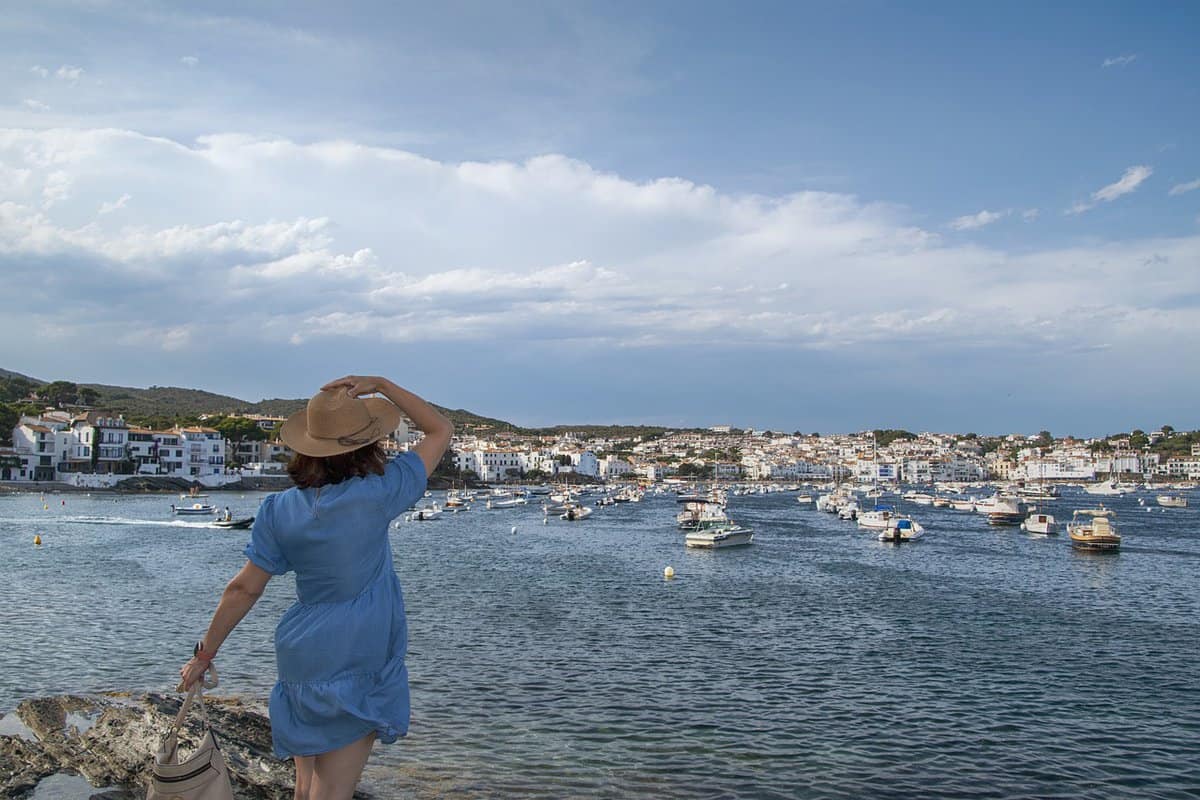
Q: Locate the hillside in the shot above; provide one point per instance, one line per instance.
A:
(162, 403)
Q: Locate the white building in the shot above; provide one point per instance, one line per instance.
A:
(614, 467)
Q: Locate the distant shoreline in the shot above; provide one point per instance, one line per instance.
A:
(243, 485)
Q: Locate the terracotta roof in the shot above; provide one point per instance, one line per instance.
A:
(39, 428)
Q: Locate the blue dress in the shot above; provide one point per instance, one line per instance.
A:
(340, 648)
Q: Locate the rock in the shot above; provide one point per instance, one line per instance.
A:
(110, 740)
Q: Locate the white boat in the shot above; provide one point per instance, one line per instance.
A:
(728, 535)
(848, 509)
(1000, 509)
(575, 513)
(1093, 529)
(941, 502)
(194, 510)
(963, 505)
(804, 499)
(509, 502)
(426, 513)
(696, 515)
(901, 529)
(878, 520)
(1105, 489)
(1040, 523)
(920, 498)
(1172, 500)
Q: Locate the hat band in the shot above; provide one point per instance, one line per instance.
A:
(353, 438)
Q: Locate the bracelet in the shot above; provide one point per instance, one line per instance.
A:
(200, 654)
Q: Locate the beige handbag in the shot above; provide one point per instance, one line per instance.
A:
(203, 775)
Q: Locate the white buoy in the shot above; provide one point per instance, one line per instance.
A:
(545, 520)
(669, 572)
(514, 529)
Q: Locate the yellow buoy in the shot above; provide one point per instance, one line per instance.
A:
(669, 572)
(37, 539)
(45, 507)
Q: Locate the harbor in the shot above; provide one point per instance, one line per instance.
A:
(553, 658)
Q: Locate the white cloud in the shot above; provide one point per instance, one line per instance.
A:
(1130, 181)
(1181, 188)
(115, 205)
(35, 105)
(1029, 214)
(338, 239)
(189, 61)
(1119, 61)
(68, 73)
(973, 221)
(40, 71)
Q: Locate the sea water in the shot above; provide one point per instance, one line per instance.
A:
(557, 662)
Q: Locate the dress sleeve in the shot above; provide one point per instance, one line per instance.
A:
(404, 482)
(263, 549)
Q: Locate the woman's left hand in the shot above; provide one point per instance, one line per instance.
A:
(191, 672)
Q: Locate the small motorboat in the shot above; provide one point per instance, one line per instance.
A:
(1172, 500)
(901, 529)
(426, 513)
(194, 510)
(241, 523)
(1092, 529)
(729, 534)
(576, 513)
(1040, 523)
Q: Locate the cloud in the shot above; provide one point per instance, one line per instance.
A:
(115, 205)
(1029, 214)
(1130, 181)
(40, 71)
(341, 240)
(68, 73)
(1181, 188)
(35, 105)
(974, 221)
(189, 61)
(1119, 61)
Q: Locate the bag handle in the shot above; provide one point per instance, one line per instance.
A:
(195, 693)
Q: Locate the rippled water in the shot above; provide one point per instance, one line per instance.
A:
(556, 661)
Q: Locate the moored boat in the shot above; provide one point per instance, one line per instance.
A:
(1092, 529)
(729, 534)
(194, 510)
(1002, 510)
(575, 513)
(901, 529)
(1040, 523)
(1172, 500)
(427, 513)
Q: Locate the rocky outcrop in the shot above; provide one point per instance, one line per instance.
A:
(110, 740)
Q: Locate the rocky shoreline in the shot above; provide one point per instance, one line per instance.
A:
(109, 739)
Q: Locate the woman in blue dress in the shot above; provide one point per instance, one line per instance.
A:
(340, 648)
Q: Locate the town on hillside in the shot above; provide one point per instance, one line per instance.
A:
(96, 448)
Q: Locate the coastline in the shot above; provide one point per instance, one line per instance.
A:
(149, 485)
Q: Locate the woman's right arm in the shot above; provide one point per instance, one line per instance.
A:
(429, 420)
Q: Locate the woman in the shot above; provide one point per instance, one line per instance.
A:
(340, 648)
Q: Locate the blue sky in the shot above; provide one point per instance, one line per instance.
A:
(800, 216)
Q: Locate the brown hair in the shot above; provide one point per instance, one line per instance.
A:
(309, 472)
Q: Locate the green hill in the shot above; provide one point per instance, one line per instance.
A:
(160, 404)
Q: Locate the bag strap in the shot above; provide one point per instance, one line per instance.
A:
(195, 693)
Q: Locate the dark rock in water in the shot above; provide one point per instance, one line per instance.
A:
(111, 739)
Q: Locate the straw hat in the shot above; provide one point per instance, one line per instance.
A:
(335, 423)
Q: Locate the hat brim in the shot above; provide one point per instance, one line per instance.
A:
(294, 431)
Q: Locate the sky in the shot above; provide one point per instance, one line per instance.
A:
(798, 216)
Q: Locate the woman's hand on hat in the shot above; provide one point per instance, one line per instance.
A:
(356, 385)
